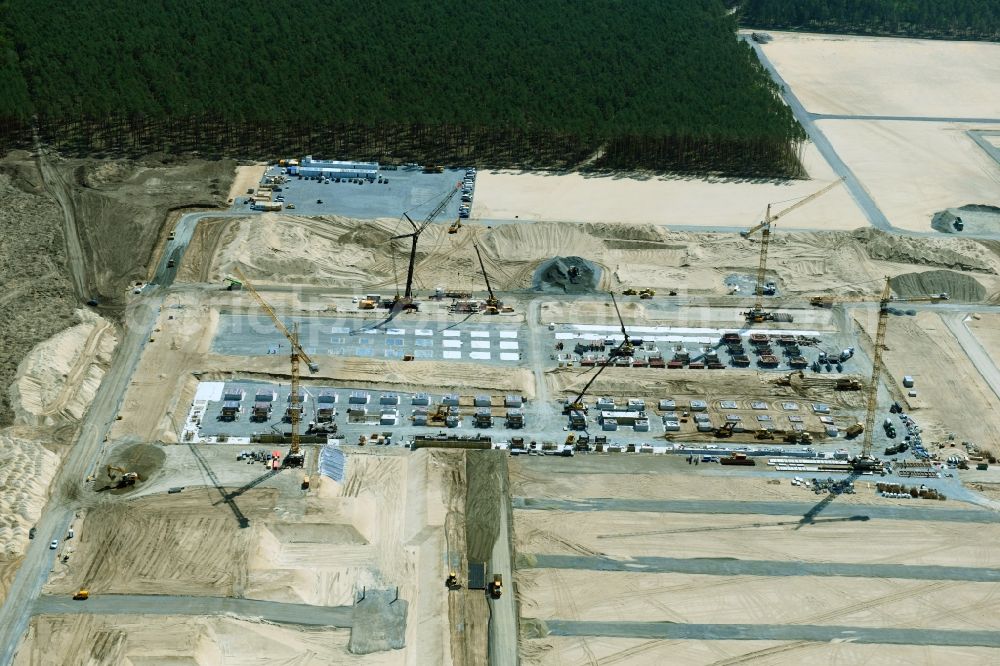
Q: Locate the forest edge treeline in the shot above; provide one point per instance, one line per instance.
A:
(603, 83)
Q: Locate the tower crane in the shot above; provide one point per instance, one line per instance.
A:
(493, 304)
(295, 457)
(866, 462)
(757, 314)
(405, 301)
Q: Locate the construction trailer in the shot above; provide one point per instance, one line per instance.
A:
(310, 168)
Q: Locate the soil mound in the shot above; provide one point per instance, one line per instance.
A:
(957, 254)
(959, 287)
(567, 275)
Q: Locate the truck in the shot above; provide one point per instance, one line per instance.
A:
(496, 587)
(737, 458)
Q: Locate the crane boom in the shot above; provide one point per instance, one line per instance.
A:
(872, 402)
(757, 313)
(294, 457)
(414, 235)
(492, 303)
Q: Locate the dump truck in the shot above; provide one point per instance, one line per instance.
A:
(496, 587)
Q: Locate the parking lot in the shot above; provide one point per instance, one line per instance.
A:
(406, 189)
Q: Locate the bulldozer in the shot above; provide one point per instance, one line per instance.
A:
(629, 292)
(647, 294)
(798, 438)
(126, 479)
(82, 595)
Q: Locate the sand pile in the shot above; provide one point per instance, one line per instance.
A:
(26, 470)
(957, 253)
(959, 287)
(57, 380)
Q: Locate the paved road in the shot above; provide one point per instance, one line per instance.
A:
(139, 604)
(978, 356)
(759, 508)
(503, 611)
(780, 632)
(140, 318)
(713, 566)
(915, 119)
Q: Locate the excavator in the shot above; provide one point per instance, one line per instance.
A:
(757, 314)
(295, 457)
(126, 479)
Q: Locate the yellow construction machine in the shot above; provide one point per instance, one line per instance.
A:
(82, 594)
(126, 479)
(455, 226)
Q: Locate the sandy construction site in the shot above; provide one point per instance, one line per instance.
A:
(651, 479)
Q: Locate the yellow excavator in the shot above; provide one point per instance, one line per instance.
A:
(126, 479)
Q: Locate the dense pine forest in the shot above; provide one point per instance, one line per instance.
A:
(950, 19)
(660, 85)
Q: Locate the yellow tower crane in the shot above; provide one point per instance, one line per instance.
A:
(866, 462)
(295, 458)
(757, 314)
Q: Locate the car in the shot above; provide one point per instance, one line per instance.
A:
(32, 532)
(54, 544)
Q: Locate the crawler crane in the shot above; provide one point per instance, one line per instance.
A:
(757, 314)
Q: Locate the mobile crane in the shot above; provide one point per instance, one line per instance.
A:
(295, 457)
(757, 314)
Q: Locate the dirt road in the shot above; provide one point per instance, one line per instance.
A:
(57, 187)
(252, 609)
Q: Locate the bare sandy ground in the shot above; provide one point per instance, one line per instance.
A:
(649, 597)
(838, 74)
(201, 641)
(916, 169)
(654, 200)
(26, 469)
(949, 388)
(246, 177)
(564, 651)
(57, 380)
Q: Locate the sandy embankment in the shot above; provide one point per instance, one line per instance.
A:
(246, 177)
(57, 380)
